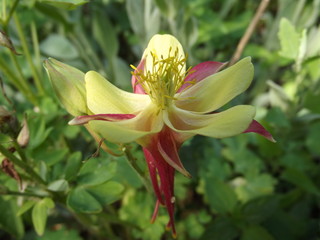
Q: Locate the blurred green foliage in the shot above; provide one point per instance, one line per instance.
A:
(242, 187)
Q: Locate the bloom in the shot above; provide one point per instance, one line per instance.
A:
(169, 105)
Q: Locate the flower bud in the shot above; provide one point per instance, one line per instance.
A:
(24, 134)
(68, 84)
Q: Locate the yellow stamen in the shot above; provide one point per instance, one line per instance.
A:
(165, 78)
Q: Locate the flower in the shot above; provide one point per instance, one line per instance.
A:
(169, 104)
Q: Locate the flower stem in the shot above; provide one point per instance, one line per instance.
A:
(28, 56)
(36, 47)
(7, 18)
(6, 153)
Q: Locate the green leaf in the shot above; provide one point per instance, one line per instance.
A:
(142, 28)
(276, 117)
(9, 220)
(260, 209)
(289, 40)
(62, 233)
(58, 46)
(136, 209)
(65, 4)
(105, 34)
(254, 186)
(312, 141)
(82, 201)
(73, 165)
(40, 215)
(126, 174)
(255, 232)
(60, 185)
(121, 73)
(38, 131)
(221, 229)
(300, 179)
(311, 100)
(277, 95)
(106, 193)
(51, 12)
(220, 195)
(313, 45)
(50, 156)
(25, 207)
(302, 49)
(96, 171)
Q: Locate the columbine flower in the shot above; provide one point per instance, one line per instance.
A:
(169, 105)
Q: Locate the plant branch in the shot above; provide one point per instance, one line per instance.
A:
(23, 194)
(245, 38)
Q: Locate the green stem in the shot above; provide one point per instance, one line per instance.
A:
(36, 47)
(6, 153)
(23, 194)
(19, 150)
(7, 19)
(133, 163)
(28, 92)
(17, 82)
(28, 55)
(4, 12)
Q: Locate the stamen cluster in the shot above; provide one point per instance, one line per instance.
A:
(164, 79)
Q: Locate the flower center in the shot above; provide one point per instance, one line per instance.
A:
(164, 79)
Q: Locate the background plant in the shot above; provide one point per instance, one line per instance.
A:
(55, 184)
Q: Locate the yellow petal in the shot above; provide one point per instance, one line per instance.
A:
(228, 123)
(146, 122)
(160, 46)
(217, 89)
(103, 97)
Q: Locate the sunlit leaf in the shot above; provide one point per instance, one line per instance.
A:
(289, 39)
(58, 185)
(40, 214)
(25, 207)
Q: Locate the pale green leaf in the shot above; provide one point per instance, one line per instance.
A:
(289, 39)
(40, 215)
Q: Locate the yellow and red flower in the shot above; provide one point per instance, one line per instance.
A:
(169, 105)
